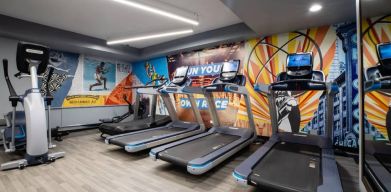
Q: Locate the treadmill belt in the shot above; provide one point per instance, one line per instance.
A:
(186, 152)
(289, 167)
(385, 160)
(124, 140)
(134, 125)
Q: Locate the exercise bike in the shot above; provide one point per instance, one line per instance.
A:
(32, 61)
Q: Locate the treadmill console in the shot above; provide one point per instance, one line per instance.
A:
(180, 76)
(300, 75)
(378, 78)
(229, 71)
(384, 55)
(299, 65)
(228, 76)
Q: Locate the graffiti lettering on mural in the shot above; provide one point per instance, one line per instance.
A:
(202, 104)
(202, 70)
(205, 66)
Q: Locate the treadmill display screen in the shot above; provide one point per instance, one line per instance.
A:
(230, 66)
(181, 72)
(384, 51)
(299, 60)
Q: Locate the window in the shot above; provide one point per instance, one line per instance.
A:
(344, 106)
(336, 110)
(344, 123)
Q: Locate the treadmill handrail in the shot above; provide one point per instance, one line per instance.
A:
(171, 88)
(226, 85)
(148, 86)
(273, 86)
(378, 84)
(194, 90)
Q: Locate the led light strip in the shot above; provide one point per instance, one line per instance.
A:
(157, 11)
(154, 36)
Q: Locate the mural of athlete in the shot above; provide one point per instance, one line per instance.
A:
(152, 75)
(288, 113)
(99, 76)
(151, 72)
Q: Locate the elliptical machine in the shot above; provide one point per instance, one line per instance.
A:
(31, 60)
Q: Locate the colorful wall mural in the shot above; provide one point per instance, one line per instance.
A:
(99, 82)
(147, 71)
(83, 81)
(262, 59)
(377, 104)
(205, 66)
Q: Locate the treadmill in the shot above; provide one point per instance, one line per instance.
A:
(139, 123)
(202, 152)
(293, 161)
(173, 131)
(377, 161)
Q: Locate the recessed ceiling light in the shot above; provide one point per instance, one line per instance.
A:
(157, 11)
(315, 8)
(154, 36)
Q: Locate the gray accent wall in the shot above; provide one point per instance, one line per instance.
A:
(61, 117)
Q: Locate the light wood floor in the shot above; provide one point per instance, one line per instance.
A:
(91, 165)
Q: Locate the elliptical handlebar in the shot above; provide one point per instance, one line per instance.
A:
(7, 79)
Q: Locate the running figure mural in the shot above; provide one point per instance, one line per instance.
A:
(100, 71)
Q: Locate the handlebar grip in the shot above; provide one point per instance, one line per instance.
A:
(17, 75)
(7, 79)
(126, 99)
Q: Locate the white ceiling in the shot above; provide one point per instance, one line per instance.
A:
(105, 19)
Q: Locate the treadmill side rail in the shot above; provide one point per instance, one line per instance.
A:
(244, 170)
(147, 144)
(331, 179)
(155, 151)
(211, 160)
